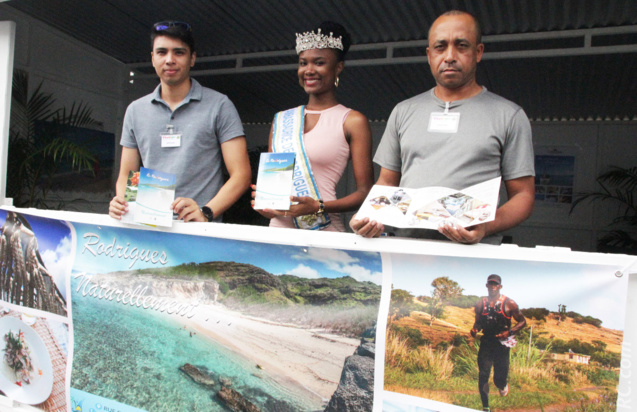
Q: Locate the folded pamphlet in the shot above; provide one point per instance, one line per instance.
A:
(428, 207)
(131, 196)
(155, 195)
(274, 181)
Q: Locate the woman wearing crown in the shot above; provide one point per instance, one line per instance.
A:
(324, 134)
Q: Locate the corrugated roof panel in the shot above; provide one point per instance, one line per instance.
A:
(546, 87)
(120, 27)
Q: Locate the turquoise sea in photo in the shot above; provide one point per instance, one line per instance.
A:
(132, 356)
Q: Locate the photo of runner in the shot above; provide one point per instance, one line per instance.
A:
(493, 318)
(519, 346)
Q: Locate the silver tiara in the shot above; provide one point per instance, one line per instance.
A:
(309, 40)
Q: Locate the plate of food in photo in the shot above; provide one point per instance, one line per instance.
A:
(26, 372)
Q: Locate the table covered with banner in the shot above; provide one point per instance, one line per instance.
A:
(101, 316)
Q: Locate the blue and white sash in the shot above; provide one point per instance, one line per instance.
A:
(287, 136)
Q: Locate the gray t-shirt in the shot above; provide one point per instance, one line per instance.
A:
(493, 139)
(205, 119)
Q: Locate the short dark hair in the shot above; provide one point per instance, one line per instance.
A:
(337, 30)
(476, 23)
(178, 32)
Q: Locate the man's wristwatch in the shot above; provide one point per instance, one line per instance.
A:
(207, 213)
(321, 209)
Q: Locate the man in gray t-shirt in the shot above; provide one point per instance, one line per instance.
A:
(457, 134)
(185, 129)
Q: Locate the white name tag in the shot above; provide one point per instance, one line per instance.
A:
(443, 122)
(170, 140)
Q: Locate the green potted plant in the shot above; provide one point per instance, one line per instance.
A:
(37, 146)
(619, 188)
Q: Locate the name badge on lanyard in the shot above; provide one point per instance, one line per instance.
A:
(444, 122)
(170, 138)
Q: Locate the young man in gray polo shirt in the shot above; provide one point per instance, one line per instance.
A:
(185, 129)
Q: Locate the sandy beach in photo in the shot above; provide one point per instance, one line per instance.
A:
(288, 353)
(285, 358)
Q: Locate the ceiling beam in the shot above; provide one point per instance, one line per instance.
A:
(249, 62)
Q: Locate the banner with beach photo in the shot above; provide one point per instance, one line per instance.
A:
(166, 321)
(97, 315)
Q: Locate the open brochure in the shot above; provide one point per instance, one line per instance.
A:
(155, 195)
(427, 207)
(274, 181)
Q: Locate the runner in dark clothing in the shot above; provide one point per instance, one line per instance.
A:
(493, 318)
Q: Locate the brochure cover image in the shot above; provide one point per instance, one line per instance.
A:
(155, 194)
(274, 181)
(130, 196)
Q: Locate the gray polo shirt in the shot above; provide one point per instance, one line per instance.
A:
(205, 120)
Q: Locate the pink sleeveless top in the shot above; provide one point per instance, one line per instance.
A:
(328, 151)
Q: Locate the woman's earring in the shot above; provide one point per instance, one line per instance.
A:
(336, 82)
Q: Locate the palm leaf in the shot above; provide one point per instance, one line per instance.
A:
(37, 147)
(62, 149)
(621, 178)
(618, 186)
(80, 115)
(19, 99)
(603, 196)
(627, 219)
(39, 105)
(617, 238)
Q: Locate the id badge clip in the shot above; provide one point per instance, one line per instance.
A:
(170, 138)
(444, 122)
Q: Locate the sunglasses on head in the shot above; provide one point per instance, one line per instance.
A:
(165, 25)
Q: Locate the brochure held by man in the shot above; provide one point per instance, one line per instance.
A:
(130, 196)
(427, 207)
(155, 195)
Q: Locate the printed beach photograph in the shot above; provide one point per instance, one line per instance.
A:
(446, 342)
(35, 261)
(215, 324)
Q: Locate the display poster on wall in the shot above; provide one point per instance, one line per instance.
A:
(98, 317)
(554, 174)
